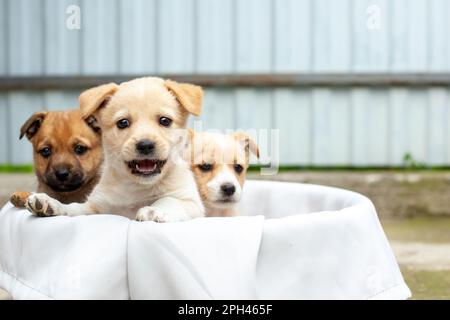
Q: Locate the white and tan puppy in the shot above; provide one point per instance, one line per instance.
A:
(220, 163)
(144, 176)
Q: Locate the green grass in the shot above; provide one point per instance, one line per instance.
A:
(11, 168)
(428, 285)
(255, 168)
(418, 229)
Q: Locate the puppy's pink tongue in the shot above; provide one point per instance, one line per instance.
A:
(145, 166)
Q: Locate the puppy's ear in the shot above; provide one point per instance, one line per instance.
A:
(188, 95)
(32, 125)
(248, 142)
(93, 99)
(91, 121)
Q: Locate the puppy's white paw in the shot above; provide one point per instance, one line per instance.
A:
(41, 205)
(152, 214)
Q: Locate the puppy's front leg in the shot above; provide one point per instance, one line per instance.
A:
(41, 205)
(169, 209)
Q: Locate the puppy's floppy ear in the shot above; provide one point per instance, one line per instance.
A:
(188, 95)
(92, 99)
(32, 125)
(91, 121)
(248, 142)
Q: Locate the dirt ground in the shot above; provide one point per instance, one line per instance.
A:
(420, 239)
(422, 248)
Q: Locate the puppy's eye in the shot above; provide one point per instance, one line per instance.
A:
(79, 149)
(123, 123)
(238, 168)
(45, 152)
(165, 122)
(205, 167)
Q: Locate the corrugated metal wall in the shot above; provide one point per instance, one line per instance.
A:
(318, 126)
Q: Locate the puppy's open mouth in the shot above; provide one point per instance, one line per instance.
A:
(146, 167)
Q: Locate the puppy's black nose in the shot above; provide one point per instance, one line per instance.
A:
(62, 174)
(145, 147)
(228, 189)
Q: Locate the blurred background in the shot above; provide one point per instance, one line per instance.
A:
(358, 89)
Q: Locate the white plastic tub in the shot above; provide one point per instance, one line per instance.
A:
(297, 241)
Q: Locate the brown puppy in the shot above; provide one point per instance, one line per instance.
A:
(67, 155)
(220, 163)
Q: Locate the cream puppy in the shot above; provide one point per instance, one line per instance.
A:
(144, 175)
(220, 163)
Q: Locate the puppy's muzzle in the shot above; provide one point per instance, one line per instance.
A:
(228, 189)
(145, 164)
(64, 179)
(145, 147)
(62, 174)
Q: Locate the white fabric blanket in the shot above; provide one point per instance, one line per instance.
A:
(296, 241)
